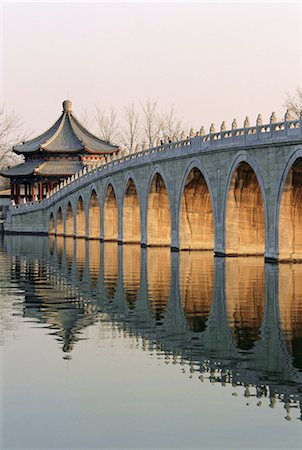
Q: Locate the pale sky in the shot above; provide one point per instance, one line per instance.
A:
(213, 61)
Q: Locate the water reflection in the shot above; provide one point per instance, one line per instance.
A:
(245, 298)
(196, 286)
(234, 321)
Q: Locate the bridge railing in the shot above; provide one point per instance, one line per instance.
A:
(288, 129)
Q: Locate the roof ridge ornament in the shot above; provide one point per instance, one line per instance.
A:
(67, 106)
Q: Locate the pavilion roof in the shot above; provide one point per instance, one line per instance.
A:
(45, 168)
(66, 135)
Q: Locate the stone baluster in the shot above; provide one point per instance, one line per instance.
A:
(234, 124)
(287, 116)
(273, 118)
(223, 127)
(201, 131)
(259, 121)
(246, 123)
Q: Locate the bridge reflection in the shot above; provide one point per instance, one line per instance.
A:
(235, 321)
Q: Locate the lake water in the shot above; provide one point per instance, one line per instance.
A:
(107, 346)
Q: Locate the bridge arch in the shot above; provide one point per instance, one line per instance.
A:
(288, 214)
(110, 212)
(80, 217)
(94, 215)
(131, 214)
(245, 216)
(158, 210)
(69, 220)
(196, 211)
(51, 223)
(59, 222)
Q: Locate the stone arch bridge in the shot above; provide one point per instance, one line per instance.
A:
(235, 192)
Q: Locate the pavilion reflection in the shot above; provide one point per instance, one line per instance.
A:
(245, 299)
(196, 286)
(290, 306)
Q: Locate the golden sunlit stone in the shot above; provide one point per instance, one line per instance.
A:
(159, 226)
(110, 216)
(94, 217)
(131, 215)
(290, 216)
(196, 215)
(245, 226)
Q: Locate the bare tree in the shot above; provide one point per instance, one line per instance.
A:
(151, 122)
(108, 125)
(170, 125)
(294, 103)
(130, 132)
(10, 125)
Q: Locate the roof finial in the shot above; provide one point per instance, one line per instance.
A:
(67, 106)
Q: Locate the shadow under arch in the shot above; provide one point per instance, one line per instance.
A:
(244, 210)
(94, 216)
(69, 221)
(158, 211)
(80, 218)
(131, 214)
(110, 214)
(288, 213)
(196, 215)
(60, 223)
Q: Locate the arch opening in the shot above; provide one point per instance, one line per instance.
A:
(158, 218)
(245, 223)
(69, 223)
(110, 215)
(80, 219)
(51, 230)
(131, 215)
(94, 217)
(290, 216)
(60, 223)
(196, 214)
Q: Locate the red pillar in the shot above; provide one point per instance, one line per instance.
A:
(40, 190)
(12, 190)
(32, 191)
(18, 193)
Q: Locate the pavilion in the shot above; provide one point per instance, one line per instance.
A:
(60, 152)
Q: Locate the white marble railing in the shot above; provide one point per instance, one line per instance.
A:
(286, 130)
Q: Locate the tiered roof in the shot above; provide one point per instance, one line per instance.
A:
(66, 137)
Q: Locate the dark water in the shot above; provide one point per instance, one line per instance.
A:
(106, 346)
